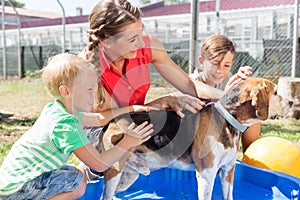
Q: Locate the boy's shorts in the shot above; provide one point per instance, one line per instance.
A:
(49, 184)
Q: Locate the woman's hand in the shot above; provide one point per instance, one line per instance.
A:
(140, 108)
(187, 102)
(178, 103)
(135, 136)
(242, 74)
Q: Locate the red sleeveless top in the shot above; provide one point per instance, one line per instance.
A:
(130, 88)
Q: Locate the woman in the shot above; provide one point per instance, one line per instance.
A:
(216, 58)
(123, 53)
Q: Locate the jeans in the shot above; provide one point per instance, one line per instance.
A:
(49, 184)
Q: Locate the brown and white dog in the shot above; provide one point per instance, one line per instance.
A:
(207, 142)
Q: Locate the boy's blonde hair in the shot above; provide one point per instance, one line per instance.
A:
(63, 69)
(215, 46)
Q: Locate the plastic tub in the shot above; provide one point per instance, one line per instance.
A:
(250, 183)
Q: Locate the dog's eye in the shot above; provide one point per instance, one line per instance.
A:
(275, 92)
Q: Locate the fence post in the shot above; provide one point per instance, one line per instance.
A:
(218, 31)
(22, 61)
(4, 41)
(20, 74)
(295, 39)
(194, 35)
(64, 27)
(41, 63)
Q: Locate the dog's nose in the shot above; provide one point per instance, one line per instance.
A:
(291, 103)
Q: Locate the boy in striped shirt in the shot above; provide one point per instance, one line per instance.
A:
(35, 166)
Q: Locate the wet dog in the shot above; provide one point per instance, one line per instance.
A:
(206, 142)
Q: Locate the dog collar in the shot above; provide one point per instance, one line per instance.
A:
(229, 118)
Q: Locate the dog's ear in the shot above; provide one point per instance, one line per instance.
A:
(260, 100)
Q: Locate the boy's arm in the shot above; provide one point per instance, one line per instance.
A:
(89, 155)
(207, 92)
(101, 161)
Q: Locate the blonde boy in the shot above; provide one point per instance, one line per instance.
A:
(35, 167)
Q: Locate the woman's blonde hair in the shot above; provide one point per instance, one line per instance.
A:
(62, 69)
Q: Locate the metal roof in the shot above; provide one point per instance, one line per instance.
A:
(30, 13)
(160, 9)
(155, 9)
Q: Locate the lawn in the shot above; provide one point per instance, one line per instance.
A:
(22, 101)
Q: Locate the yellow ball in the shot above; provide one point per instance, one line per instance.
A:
(274, 153)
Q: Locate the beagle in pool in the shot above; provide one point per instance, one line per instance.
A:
(206, 142)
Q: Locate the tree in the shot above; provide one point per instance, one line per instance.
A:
(14, 3)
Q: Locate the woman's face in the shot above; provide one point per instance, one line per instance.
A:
(126, 43)
(215, 71)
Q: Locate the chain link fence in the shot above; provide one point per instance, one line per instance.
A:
(262, 32)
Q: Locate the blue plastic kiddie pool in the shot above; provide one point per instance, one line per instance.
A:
(173, 184)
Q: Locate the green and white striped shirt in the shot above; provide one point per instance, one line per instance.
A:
(43, 148)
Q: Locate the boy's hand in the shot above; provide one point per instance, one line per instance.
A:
(135, 136)
(242, 74)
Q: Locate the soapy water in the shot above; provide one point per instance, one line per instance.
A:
(173, 184)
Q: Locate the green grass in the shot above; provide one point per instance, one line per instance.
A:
(285, 128)
(4, 149)
(26, 98)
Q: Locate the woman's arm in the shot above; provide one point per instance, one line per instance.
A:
(177, 77)
(107, 110)
(102, 118)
